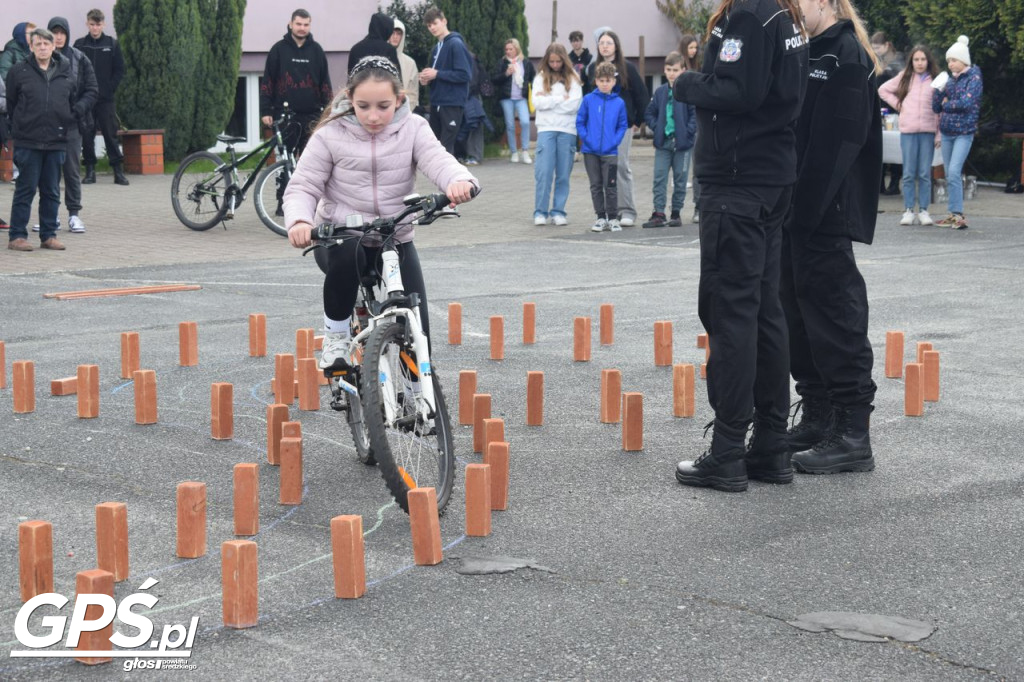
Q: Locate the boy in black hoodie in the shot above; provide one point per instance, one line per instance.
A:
(376, 44)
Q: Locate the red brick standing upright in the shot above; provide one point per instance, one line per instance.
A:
(191, 520)
(535, 398)
(931, 376)
(494, 432)
(129, 354)
(303, 343)
(497, 457)
(467, 387)
(913, 393)
(88, 391)
(35, 558)
(478, 500)
(425, 527)
(632, 422)
(309, 387)
(95, 581)
(222, 411)
(349, 556)
(581, 339)
(284, 378)
(276, 415)
(607, 324)
(112, 539)
(922, 348)
(662, 343)
(188, 344)
(24, 381)
(497, 337)
(611, 396)
(683, 390)
(291, 471)
(246, 479)
(702, 340)
(529, 323)
(145, 396)
(257, 335)
(481, 411)
(239, 562)
(454, 324)
(893, 354)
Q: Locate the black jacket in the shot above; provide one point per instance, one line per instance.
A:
(41, 107)
(296, 75)
(748, 96)
(839, 141)
(580, 62)
(107, 62)
(376, 44)
(84, 76)
(503, 82)
(635, 96)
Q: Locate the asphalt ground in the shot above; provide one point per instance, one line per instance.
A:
(649, 579)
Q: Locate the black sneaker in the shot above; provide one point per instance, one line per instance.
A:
(657, 220)
(847, 447)
(674, 220)
(768, 454)
(721, 467)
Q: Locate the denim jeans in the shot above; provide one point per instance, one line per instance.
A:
(37, 169)
(679, 162)
(918, 151)
(512, 109)
(954, 153)
(555, 154)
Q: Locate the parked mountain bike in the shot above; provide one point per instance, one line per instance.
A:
(392, 396)
(207, 190)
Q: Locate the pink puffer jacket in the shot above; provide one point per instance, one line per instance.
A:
(345, 170)
(916, 115)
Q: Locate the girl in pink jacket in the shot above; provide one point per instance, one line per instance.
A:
(363, 160)
(910, 94)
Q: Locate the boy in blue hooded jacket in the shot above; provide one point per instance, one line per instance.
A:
(601, 124)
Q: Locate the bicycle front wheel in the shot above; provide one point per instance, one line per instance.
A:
(411, 452)
(199, 189)
(270, 188)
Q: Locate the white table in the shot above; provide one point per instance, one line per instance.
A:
(891, 152)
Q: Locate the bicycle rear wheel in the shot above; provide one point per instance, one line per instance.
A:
(411, 452)
(199, 190)
(269, 188)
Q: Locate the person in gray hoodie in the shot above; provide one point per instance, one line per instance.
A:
(407, 65)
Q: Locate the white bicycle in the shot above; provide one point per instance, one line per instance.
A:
(392, 396)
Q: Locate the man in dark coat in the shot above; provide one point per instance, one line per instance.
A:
(376, 44)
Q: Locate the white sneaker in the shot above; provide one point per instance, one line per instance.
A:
(525, 156)
(36, 227)
(924, 218)
(560, 220)
(600, 225)
(540, 220)
(908, 218)
(76, 225)
(513, 157)
(615, 225)
(337, 346)
(625, 221)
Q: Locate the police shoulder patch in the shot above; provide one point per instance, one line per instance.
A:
(732, 50)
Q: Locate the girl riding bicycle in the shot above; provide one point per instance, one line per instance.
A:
(362, 160)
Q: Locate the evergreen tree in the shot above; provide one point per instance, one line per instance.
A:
(162, 45)
(689, 16)
(218, 70)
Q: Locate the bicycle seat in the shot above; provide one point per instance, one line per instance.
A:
(230, 139)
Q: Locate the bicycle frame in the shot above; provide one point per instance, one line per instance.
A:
(268, 147)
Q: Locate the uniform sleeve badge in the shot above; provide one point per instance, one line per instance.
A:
(732, 49)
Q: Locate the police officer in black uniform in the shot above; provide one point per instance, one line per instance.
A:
(748, 97)
(839, 146)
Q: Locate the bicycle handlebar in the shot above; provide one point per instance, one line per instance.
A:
(432, 206)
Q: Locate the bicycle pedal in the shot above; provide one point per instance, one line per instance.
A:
(338, 369)
(339, 405)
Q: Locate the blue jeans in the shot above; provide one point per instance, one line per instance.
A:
(555, 153)
(38, 169)
(954, 153)
(918, 151)
(679, 162)
(512, 108)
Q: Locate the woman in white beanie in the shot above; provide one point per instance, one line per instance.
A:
(957, 100)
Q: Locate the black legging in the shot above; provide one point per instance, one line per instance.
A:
(348, 260)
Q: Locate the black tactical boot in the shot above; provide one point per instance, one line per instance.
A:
(768, 453)
(90, 175)
(847, 447)
(814, 424)
(721, 466)
(119, 178)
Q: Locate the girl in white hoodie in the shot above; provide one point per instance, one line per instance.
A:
(557, 94)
